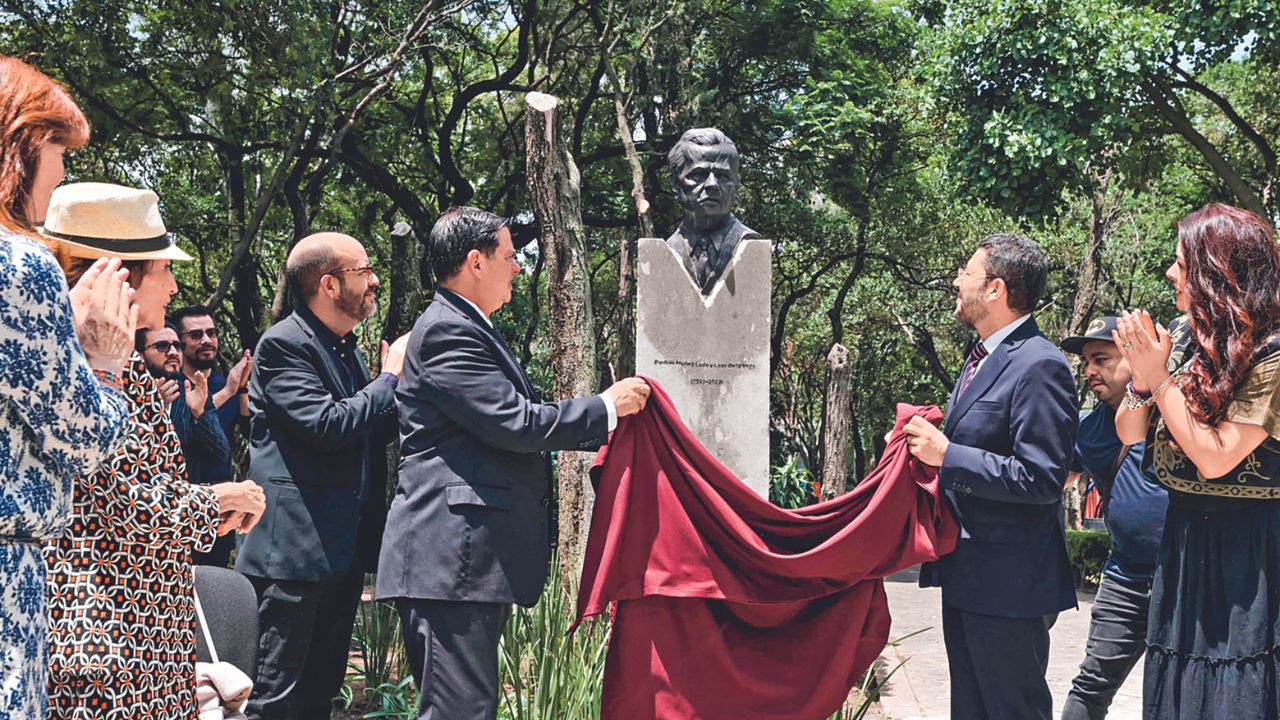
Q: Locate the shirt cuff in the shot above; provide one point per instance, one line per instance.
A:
(389, 379)
(611, 410)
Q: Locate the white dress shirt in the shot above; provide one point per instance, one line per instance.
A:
(994, 339)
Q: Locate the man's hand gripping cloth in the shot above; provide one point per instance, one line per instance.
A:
(728, 607)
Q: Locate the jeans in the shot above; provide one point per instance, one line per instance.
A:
(1117, 639)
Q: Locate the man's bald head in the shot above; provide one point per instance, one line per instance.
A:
(313, 257)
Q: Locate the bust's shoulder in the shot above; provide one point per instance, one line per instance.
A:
(677, 241)
(739, 231)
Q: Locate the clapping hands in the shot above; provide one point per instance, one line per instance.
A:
(1145, 346)
(104, 314)
(197, 393)
(238, 375)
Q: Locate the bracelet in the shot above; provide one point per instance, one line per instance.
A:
(1131, 389)
(1134, 400)
(108, 378)
(1160, 388)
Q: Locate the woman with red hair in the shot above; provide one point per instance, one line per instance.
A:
(1211, 419)
(61, 410)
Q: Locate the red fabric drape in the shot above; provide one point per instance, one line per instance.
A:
(728, 607)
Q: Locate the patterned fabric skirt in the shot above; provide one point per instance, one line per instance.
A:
(1213, 642)
(24, 644)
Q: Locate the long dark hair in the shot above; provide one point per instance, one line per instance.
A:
(1233, 301)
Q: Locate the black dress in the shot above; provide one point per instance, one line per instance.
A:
(1213, 640)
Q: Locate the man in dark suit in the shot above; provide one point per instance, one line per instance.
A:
(317, 437)
(468, 532)
(1003, 456)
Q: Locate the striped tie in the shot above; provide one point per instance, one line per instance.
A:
(978, 352)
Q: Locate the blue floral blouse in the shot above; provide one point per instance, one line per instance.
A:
(56, 422)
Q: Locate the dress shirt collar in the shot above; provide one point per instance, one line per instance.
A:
(340, 343)
(473, 305)
(994, 339)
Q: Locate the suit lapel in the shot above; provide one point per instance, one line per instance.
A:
(507, 359)
(991, 369)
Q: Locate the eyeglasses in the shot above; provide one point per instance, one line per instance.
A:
(197, 334)
(366, 271)
(167, 346)
(962, 270)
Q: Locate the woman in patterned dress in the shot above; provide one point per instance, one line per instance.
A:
(121, 587)
(1211, 419)
(59, 412)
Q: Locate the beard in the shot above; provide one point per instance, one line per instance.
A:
(355, 306)
(971, 311)
(200, 363)
(160, 373)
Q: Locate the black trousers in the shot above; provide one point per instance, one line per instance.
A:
(1117, 639)
(304, 637)
(453, 651)
(997, 665)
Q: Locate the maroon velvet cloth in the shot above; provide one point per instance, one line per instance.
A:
(728, 607)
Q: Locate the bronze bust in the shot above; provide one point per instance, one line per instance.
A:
(704, 174)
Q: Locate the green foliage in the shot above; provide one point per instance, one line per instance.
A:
(547, 672)
(1088, 551)
(1043, 96)
(396, 701)
(792, 485)
(376, 639)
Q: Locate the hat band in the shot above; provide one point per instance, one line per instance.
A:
(159, 242)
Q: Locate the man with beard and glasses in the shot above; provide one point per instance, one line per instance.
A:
(1003, 454)
(318, 433)
(204, 443)
(228, 401)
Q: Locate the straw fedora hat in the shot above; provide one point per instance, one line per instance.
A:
(93, 220)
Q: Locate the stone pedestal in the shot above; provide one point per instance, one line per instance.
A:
(711, 354)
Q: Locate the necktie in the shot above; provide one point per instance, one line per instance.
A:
(700, 255)
(978, 352)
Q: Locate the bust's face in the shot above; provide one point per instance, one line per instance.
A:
(707, 184)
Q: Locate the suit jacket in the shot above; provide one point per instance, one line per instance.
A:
(470, 520)
(734, 233)
(307, 448)
(1012, 433)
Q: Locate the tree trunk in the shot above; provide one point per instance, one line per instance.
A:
(406, 301)
(1102, 219)
(624, 361)
(554, 189)
(835, 439)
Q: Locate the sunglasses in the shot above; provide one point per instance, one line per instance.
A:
(166, 346)
(197, 334)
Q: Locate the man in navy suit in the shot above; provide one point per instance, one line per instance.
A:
(469, 529)
(1003, 455)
